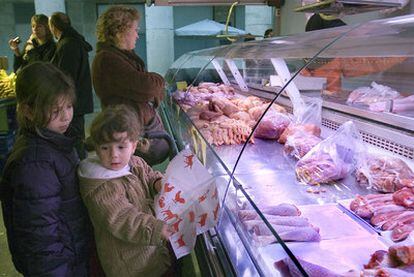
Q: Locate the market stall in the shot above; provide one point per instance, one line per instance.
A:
(310, 139)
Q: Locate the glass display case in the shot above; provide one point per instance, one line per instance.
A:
(310, 138)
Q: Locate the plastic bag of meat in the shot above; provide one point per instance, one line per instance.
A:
(333, 158)
(399, 105)
(384, 173)
(300, 143)
(272, 125)
(374, 93)
(307, 119)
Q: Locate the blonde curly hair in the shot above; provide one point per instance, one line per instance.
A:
(115, 20)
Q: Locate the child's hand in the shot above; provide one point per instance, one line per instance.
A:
(158, 185)
(166, 231)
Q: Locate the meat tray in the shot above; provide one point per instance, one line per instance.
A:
(344, 206)
(338, 255)
(333, 222)
(334, 251)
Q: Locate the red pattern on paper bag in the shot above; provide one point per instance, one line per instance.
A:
(191, 216)
(175, 225)
(203, 197)
(189, 161)
(215, 212)
(180, 241)
(178, 198)
(203, 219)
(169, 215)
(161, 202)
(214, 196)
(168, 188)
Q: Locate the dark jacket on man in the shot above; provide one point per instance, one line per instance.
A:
(72, 57)
(47, 225)
(40, 53)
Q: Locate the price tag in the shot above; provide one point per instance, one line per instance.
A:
(199, 145)
(182, 85)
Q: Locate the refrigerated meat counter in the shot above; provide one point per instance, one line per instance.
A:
(310, 138)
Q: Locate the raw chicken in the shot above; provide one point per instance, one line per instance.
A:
(278, 220)
(257, 111)
(301, 128)
(281, 210)
(384, 173)
(243, 116)
(288, 233)
(226, 131)
(320, 168)
(247, 103)
(222, 105)
(299, 144)
(287, 266)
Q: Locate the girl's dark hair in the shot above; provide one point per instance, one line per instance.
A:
(60, 21)
(39, 87)
(116, 119)
(42, 19)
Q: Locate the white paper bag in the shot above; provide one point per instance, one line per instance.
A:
(188, 201)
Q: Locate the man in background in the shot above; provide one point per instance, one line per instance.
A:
(72, 57)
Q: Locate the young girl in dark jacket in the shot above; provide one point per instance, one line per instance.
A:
(47, 226)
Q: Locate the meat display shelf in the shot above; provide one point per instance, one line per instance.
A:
(264, 175)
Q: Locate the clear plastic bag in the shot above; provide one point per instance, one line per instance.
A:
(307, 119)
(300, 143)
(272, 125)
(384, 173)
(333, 158)
(374, 93)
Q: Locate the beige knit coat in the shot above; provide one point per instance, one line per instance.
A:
(120, 205)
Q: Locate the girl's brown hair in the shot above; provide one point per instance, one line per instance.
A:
(115, 20)
(117, 119)
(42, 19)
(39, 87)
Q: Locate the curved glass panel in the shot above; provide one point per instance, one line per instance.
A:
(269, 120)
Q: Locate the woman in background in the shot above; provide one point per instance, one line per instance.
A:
(39, 47)
(119, 76)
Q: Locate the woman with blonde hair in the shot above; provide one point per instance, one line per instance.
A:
(119, 76)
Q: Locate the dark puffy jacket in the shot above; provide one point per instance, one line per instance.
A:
(41, 53)
(72, 57)
(47, 225)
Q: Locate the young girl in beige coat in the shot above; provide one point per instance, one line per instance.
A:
(118, 189)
